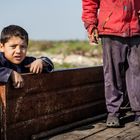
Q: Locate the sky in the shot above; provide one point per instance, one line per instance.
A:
(45, 19)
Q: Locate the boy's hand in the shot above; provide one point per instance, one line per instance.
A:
(17, 79)
(36, 66)
(93, 37)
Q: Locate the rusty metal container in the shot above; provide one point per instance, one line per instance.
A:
(49, 101)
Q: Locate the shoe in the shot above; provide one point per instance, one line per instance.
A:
(137, 120)
(112, 121)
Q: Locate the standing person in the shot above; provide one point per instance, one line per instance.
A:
(13, 59)
(117, 23)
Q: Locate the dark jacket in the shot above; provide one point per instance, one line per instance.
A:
(6, 67)
(112, 17)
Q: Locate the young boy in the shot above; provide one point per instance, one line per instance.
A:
(13, 59)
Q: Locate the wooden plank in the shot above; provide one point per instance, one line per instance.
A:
(137, 138)
(109, 133)
(80, 133)
(99, 131)
(129, 134)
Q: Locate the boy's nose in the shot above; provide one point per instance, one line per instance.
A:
(18, 49)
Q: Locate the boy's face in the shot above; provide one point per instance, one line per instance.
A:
(14, 50)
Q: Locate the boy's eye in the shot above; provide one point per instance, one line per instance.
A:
(23, 47)
(13, 46)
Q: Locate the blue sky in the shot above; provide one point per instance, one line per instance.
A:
(45, 19)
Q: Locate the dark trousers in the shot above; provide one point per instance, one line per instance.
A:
(121, 62)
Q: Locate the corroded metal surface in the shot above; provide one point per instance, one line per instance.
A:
(51, 100)
(3, 115)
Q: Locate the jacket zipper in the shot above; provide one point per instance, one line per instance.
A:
(103, 25)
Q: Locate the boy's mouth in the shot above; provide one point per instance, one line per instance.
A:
(18, 58)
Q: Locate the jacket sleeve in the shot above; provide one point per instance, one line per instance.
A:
(89, 13)
(49, 65)
(5, 74)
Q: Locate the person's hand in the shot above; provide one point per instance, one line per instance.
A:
(93, 37)
(139, 15)
(17, 80)
(36, 66)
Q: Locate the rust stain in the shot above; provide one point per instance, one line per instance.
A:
(4, 117)
(18, 106)
(3, 96)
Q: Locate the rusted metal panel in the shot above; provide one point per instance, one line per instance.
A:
(59, 80)
(51, 100)
(3, 115)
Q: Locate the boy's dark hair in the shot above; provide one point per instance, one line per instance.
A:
(13, 30)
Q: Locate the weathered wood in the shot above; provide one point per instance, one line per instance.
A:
(80, 133)
(99, 131)
(109, 133)
(51, 100)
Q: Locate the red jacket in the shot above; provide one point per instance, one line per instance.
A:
(112, 17)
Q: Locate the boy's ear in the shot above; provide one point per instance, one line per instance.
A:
(1, 47)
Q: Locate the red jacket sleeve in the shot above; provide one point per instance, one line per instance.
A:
(89, 13)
